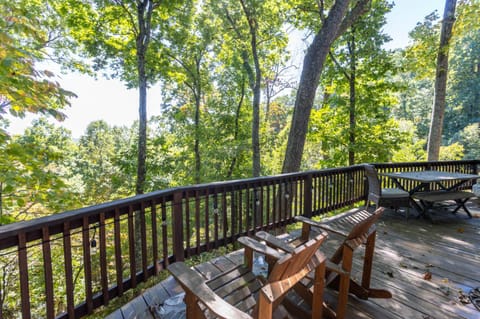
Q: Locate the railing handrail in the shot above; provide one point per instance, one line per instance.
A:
(59, 218)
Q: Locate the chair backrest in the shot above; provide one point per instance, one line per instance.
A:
(286, 273)
(296, 261)
(359, 232)
(373, 181)
(362, 228)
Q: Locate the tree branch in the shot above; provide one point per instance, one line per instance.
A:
(339, 65)
(352, 16)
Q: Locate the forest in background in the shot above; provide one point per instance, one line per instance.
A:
(228, 94)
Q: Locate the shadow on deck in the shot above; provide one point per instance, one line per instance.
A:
(428, 267)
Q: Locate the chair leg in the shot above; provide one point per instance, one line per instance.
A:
(193, 309)
(318, 286)
(344, 285)
(368, 260)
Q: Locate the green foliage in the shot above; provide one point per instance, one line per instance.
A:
(463, 107)
(35, 171)
(418, 65)
(102, 163)
(411, 149)
(469, 137)
(421, 55)
(24, 86)
(452, 152)
(358, 62)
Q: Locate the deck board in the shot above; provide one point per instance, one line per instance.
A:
(405, 250)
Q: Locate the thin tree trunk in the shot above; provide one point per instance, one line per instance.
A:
(353, 124)
(142, 137)
(198, 98)
(255, 81)
(235, 131)
(144, 14)
(438, 111)
(334, 25)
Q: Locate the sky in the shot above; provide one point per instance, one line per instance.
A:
(109, 100)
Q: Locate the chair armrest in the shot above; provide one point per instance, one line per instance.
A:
(320, 225)
(255, 245)
(195, 285)
(274, 242)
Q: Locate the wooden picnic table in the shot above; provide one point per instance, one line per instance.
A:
(423, 190)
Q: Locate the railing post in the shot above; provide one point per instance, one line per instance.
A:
(365, 185)
(177, 227)
(23, 270)
(475, 167)
(307, 200)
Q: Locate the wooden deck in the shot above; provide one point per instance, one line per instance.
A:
(429, 268)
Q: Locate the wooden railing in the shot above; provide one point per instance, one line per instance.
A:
(107, 249)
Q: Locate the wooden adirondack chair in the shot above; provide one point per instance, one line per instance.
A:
(356, 228)
(239, 293)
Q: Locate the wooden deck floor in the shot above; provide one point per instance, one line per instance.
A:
(406, 250)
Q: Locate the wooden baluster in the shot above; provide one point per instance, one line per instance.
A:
(178, 248)
(47, 270)
(67, 252)
(103, 260)
(118, 252)
(188, 231)
(87, 263)
(143, 241)
(215, 217)
(165, 231)
(224, 215)
(197, 221)
(207, 221)
(156, 268)
(23, 267)
(131, 246)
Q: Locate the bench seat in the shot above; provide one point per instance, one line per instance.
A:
(439, 196)
(429, 198)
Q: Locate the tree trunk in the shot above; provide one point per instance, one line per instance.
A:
(235, 131)
(335, 24)
(198, 99)
(142, 134)
(254, 81)
(144, 14)
(353, 124)
(438, 111)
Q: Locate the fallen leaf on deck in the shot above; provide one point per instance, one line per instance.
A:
(463, 298)
(460, 230)
(403, 265)
(390, 274)
(427, 275)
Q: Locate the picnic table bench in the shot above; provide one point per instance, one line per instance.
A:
(428, 199)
